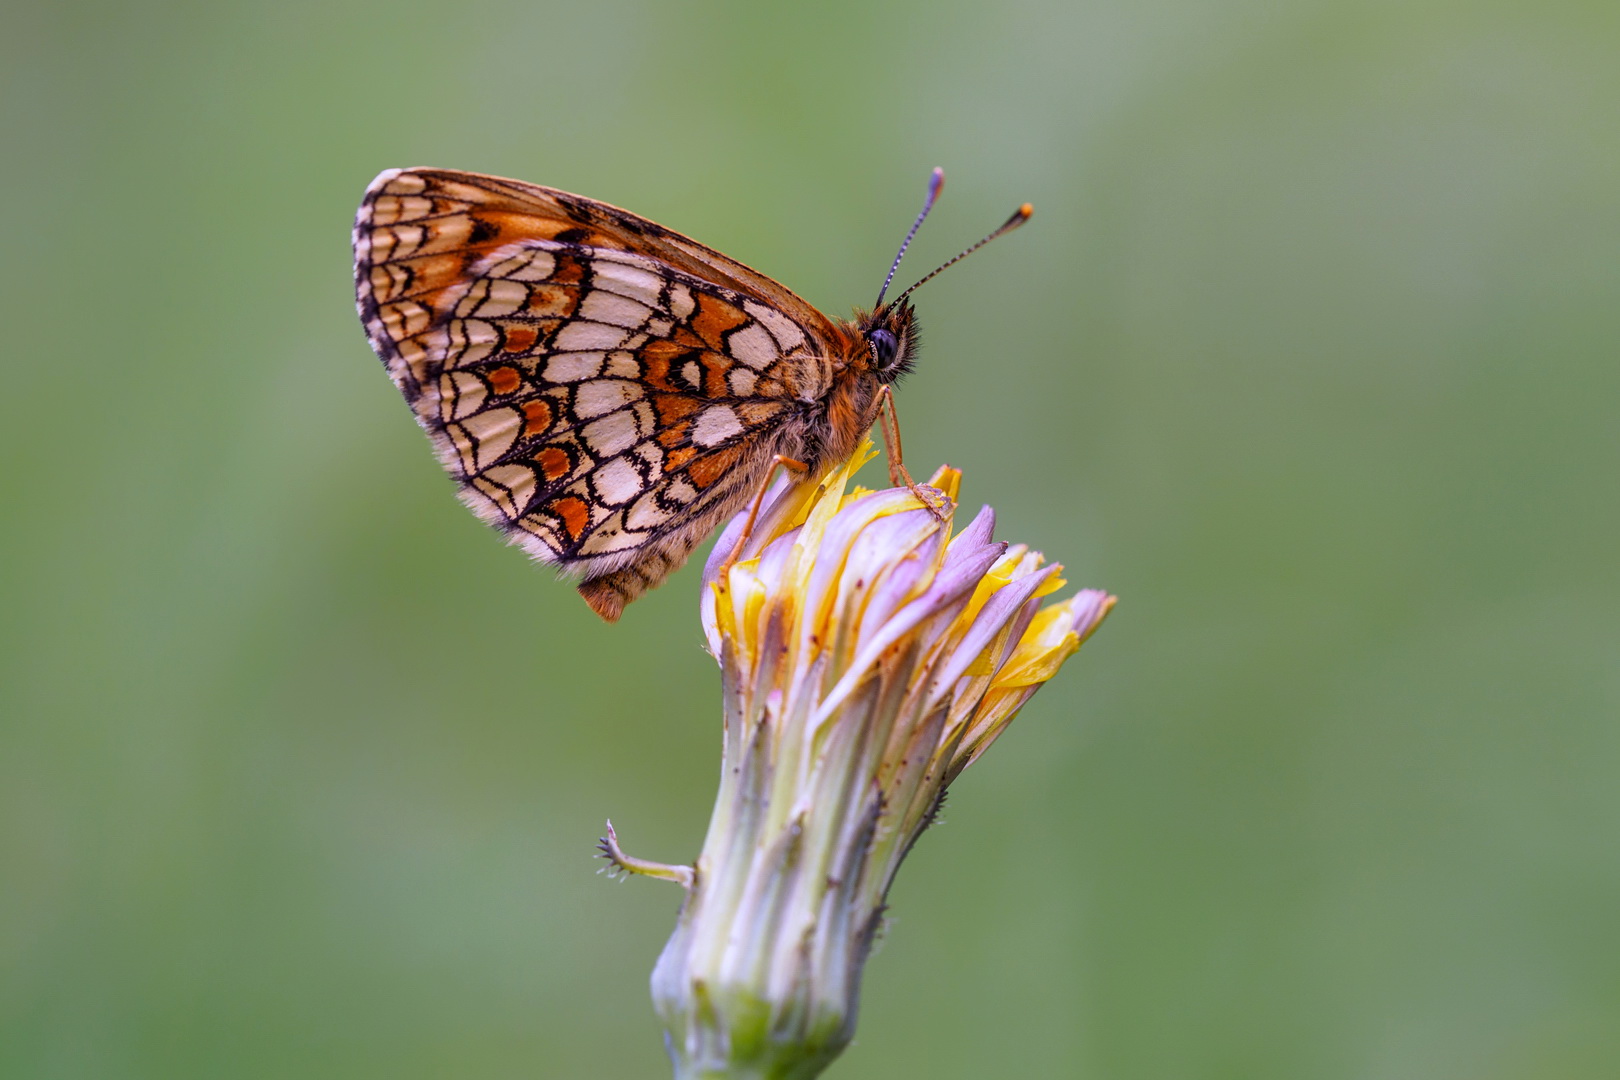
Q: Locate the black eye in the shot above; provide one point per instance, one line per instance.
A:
(884, 346)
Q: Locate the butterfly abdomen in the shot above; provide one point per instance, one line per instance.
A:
(607, 595)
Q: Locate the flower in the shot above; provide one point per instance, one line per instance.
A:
(867, 657)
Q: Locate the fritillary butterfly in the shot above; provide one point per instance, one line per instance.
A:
(602, 389)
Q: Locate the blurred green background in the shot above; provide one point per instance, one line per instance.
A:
(1310, 354)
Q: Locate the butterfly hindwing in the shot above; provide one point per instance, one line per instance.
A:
(594, 396)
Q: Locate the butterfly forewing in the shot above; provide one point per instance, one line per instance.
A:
(602, 388)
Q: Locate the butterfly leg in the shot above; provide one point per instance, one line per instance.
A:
(783, 462)
(889, 423)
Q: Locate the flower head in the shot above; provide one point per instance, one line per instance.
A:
(868, 656)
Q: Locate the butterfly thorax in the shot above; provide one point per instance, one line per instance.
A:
(872, 350)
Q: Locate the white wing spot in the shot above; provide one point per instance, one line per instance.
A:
(715, 425)
(631, 281)
(613, 434)
(604, 396)
(405, 319)
(492, 432)
(753, 345)
(468, 341)
(652, 454)
(530, 265)
(516, 487)
(463, 392)
(644, 419)
(496, 494)
(617, 482)
(680, 303)
(786, 332)
(572, 367)
(499, 297)
(582, 336)
(605, 307)
(610, 537)
(646, 514)
(387, 209)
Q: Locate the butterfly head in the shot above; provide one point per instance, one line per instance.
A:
(890, 334)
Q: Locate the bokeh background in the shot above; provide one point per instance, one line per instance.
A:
(1311, 354)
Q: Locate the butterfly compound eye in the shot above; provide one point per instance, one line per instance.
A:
(884, 346)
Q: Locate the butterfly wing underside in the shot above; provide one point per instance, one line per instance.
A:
(602, 389)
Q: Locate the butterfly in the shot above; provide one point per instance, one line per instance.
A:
(604, 390)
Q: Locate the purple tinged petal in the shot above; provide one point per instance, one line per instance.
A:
(1089, 611)
(1002, 608)
(954, 584)
(978, 531)
(888, 539)
(835, 543)
(722, 547)
(779, 497)
(1019, 626)
(954, 578)
(972, 542)
(774, 558)
(907, 546)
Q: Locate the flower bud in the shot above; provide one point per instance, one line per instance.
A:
(867, 657)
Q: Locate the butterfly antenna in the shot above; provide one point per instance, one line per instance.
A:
(1019, 216)
(936, 183)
